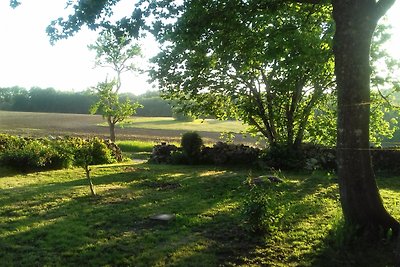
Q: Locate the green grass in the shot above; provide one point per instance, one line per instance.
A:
(136, 146)
(50, 219)
(167, 123)
(136, 149)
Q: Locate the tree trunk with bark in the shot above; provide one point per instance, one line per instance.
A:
(361, 202)
(111, 126)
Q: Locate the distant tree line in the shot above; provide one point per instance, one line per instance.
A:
(51, 100)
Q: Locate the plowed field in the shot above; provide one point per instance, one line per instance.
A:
(58, 124)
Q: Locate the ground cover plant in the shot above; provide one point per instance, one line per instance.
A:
(48, 218)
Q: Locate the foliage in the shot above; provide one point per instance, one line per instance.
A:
(45, 100)
(179, 116)
(110, 107)
(50, 100)
(191, 144)
(261, 210)
(246, 66)
(109, 104)
(29, 154)
(114, 50)
(90, 152)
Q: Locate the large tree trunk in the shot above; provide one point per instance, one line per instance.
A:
(361, 203)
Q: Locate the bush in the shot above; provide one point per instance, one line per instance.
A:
(179, 116)
(11, 142)
(261, 210)
(29, 154)
(34, 155)
(192, 144)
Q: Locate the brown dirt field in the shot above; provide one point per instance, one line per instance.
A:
(60, 124)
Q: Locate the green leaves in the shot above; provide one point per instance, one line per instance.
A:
(243, 60)
(114, 50)
(109, 104)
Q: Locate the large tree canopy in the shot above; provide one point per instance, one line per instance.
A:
(239, 61)
(355, 23)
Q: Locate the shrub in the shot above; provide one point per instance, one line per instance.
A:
(179, 116)
(192, 144)
(93, 151)
(33, 155)
(11, 142)
(261, 210)
(28, 154)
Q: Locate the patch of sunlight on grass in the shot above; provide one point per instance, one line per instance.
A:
(173, 175)
(211, 173)
(224, 206)
(391, 201)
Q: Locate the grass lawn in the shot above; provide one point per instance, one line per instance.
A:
(140, 150)
(50, 219)
(167, 123)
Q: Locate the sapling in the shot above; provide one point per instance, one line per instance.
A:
(83, 158)
(91, 152)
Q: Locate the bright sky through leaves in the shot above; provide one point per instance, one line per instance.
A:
(27, 59)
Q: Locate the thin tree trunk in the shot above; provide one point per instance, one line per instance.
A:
(87, 170)
(361, 203)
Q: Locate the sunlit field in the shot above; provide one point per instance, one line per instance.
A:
(166, 123)
(138, 128)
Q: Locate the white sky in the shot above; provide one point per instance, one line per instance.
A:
(27, 59)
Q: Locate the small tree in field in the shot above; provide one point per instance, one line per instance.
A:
(114, 50)
(90, 152)
(83, 158)
(109, 105)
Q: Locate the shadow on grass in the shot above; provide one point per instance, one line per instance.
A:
(7, 172)
(52, 227)
(341, 249)
(60, 224)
